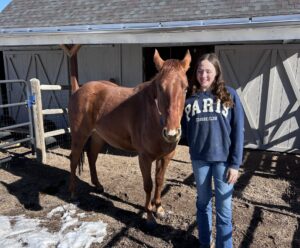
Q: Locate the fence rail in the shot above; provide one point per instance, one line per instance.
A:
(54, 111)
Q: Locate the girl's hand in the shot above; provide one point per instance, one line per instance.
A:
(232, 175)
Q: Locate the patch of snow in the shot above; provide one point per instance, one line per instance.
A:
(19, 231)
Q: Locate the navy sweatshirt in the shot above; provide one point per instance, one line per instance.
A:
(214, 133)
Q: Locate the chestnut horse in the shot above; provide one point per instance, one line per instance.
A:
(145, 119)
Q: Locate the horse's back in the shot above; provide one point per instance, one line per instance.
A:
(93, 87)
(97, 92)
(104, 107)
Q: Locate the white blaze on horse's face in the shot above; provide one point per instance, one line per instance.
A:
(171, 91)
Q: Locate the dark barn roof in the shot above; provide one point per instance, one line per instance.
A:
(45, 13)
(25, 22)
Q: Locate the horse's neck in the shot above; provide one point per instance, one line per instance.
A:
(148, 103)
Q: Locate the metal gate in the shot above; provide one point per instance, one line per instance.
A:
(11, 131)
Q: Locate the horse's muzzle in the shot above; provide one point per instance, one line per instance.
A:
(171, 136)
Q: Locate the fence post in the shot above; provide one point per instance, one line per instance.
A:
(38, 121)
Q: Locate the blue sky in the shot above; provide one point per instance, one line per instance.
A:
(4, 3)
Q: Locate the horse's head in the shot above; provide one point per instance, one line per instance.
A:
(170, 90)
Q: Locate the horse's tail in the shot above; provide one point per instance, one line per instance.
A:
(80, 163)
(81, 160)
(74, 84)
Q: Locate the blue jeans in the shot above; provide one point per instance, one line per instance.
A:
(204, 172)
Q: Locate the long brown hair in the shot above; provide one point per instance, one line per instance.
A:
(218, 86)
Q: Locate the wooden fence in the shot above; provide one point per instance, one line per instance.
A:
(38, 120)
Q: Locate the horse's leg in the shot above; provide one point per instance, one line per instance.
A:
(161, 167)
(145, 166)
(95, 146)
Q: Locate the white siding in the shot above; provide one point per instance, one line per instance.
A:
(120, 62)
(132, 65)
(99, 63)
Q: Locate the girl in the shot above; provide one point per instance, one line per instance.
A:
(213, 123)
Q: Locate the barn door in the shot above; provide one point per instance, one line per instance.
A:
(18, 65)
(50, 67)
(267, 80)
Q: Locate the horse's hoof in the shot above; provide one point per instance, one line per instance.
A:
(99, 189)
(160, 213)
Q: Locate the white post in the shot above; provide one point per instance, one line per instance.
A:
(38, 121)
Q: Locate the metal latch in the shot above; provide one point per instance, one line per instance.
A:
(31, 101)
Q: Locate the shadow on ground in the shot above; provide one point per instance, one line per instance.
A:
(36, 179)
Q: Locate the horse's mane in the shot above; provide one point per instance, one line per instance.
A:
(141, 86)
(169, 66)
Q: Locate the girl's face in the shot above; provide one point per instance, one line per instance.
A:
(206, 73)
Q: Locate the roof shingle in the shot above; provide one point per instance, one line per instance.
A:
(45, 13)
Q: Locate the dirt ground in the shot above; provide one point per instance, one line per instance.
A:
(266, 199)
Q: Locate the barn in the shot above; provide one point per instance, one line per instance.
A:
(258, 43)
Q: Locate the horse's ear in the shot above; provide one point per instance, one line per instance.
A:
(158, 61)
(186, 61)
